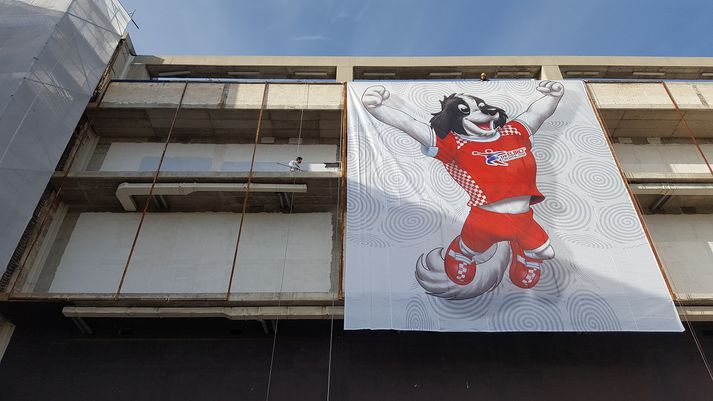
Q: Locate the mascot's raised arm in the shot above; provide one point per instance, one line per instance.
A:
(490, 157)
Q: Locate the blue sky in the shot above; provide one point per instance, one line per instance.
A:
(423, 28)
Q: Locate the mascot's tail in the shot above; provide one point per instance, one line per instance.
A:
(491, 266)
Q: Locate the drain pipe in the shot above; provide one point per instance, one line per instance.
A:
(126, 191)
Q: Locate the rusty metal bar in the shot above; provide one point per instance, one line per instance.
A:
(628, 190)
(148, 199)
(247, 190)
(343, 194)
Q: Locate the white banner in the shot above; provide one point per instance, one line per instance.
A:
(491, 206)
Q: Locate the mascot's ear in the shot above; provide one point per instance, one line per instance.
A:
(440, 121)
(503, 117)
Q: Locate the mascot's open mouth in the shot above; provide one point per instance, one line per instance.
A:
(486, 126)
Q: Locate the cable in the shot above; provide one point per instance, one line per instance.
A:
(639, 213)
(150, 194)
(284, 260)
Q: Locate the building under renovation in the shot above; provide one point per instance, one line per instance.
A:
(149, 199)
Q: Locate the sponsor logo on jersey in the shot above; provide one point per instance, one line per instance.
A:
(501, 157)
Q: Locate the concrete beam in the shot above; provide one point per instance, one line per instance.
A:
(232, 313)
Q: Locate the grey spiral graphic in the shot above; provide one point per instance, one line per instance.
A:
(521, 312)
(551, 153)
(417, 316)
(360, 156)
(443, 184)
(523, 87)
(362, 209)
(583, 239)
(598, 179)
(556, 277)
(620, 223)
(588, 140)
(428, 97)
(399, 179)
(410, 222)
(476, 88)
(368, 240)
(589, 311)
(513, 106)
(463, 309)
(555, 125)
(399, 143)
(562, 209)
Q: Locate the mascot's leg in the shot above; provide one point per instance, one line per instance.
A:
(530, 246)
(460, 257)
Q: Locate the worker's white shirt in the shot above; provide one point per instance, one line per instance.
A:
(294, 166)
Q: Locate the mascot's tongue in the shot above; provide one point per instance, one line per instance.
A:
(484, 126)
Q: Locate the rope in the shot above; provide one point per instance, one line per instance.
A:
(284, 260)
(637, 206)
(151, 189)
(691, 329)
(247, 190)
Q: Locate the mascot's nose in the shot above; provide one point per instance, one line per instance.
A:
(491, 111)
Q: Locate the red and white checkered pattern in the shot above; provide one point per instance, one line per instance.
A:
(508, 130)
(459, 142)
(477, 197)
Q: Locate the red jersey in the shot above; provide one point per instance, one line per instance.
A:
(491, 171)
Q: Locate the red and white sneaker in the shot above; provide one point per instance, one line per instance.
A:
(460, 263)
(524, 271)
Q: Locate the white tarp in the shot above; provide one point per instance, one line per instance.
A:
(442, 179)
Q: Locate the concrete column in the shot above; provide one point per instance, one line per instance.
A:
(345, 73)
(550, 72)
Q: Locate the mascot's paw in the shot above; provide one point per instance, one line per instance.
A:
(459, 264)
(374, 96)
(551, 88)
(524, 272)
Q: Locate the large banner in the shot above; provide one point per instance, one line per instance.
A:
(491, 206)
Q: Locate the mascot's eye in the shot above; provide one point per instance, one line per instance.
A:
(464, 108)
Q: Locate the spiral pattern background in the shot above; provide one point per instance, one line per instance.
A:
(557, 276)
(551, 153)
(476, 88)
(399, 179)
(368, 240)
(584, 239)
(554, 125)
(598, 179)
(398, 143)
(417, 315)
(362, 209)
(463, 309)
(588, 311)
(521, 312)
(522, 87)
(562, 209)
(410, 222)
(588, 140)
(620, 223)
(428, 97)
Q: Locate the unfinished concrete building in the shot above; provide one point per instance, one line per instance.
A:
(223, 229)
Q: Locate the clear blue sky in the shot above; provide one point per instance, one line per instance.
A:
(423, 28)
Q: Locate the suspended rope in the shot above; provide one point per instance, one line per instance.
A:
(287, 246)
(150, 194)
(691, 329)
(639, 213)
(247, 189)
(341, 206)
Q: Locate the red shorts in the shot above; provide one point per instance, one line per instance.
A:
(483, 228)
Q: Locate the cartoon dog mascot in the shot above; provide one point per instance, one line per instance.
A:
(491, 159)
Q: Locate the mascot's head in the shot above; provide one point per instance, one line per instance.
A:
(468, 116)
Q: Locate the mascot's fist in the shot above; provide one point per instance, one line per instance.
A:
(551, 88)
(374, 96)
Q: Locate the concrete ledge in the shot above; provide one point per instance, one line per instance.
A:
(232, 313)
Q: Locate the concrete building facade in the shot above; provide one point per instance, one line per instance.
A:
(223, 229)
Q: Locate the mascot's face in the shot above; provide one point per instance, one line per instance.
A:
(468, 116)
